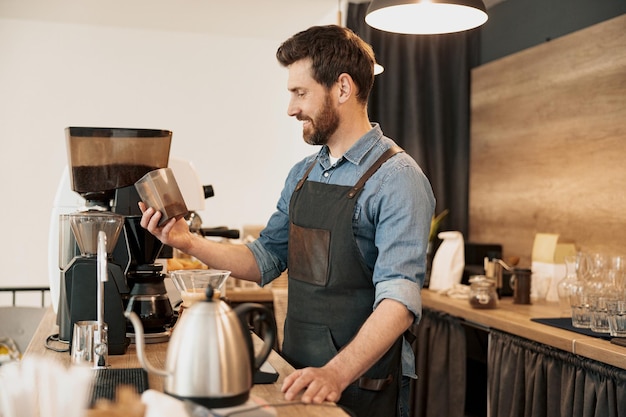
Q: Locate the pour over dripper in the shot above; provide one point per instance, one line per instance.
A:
(87, 224)
(192, 283)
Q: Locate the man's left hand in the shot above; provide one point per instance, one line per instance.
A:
(318, 384)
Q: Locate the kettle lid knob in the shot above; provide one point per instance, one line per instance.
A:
(209, 293)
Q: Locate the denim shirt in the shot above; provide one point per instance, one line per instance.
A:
(391, 221)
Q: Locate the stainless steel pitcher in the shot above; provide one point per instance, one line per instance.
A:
(210, 358)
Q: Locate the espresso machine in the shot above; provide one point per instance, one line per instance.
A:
(104, 164)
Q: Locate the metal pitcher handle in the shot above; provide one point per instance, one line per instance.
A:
(265, 316)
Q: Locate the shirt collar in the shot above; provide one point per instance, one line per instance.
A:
(360, 149)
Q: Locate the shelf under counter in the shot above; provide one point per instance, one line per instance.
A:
(516, 319)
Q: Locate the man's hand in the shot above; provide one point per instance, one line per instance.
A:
(318, 384)
(379, 332)
(235, 258)
(173, 233)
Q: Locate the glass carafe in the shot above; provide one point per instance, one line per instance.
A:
(566, 285)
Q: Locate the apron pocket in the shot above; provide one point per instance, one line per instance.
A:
(307, 344)
(309, 254)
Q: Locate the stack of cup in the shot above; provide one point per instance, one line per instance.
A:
(598, 297)
(616, 307)
(616, 316)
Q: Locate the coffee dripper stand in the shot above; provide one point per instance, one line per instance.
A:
(95, 234)
(100, 337)
(82, 287)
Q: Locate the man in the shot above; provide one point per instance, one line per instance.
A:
(351, 226)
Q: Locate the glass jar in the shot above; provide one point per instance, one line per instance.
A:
(483, 292)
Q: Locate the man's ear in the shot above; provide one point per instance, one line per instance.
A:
(346, 87)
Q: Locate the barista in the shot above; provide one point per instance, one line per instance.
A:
(351, 225)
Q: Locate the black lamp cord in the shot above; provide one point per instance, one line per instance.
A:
(55, 338)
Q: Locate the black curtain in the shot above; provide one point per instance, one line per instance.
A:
(422, 101)
(529, 379)
(440, 364)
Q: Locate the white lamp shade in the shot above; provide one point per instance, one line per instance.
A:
(426, 17)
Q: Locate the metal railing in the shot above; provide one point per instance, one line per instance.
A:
(16, 290)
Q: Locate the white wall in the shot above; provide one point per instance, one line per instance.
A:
(223, 97)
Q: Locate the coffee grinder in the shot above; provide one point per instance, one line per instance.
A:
(104, 164)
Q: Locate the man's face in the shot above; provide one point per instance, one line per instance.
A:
(312, 104)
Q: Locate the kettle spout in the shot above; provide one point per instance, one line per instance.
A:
(140, 344)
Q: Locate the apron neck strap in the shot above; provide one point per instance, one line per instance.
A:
(383, 158)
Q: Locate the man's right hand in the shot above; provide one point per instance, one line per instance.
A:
(174, 233)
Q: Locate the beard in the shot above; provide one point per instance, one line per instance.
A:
(323, 126)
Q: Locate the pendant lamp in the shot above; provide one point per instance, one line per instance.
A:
(426, 17)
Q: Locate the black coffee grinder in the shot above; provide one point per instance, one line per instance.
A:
(104, 165)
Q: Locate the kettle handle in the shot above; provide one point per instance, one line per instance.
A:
(264, 316)
(140, 343)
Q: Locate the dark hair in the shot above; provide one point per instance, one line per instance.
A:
(333, 50)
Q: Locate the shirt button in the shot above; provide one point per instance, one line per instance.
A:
(326, 174)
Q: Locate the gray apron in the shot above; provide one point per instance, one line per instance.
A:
(331, 292)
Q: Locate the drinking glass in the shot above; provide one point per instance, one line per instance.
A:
(616, 316)
(617, 272)
(579, 302)
(598, 312)
(598, 263)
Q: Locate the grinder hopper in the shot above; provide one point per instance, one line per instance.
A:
(102, 160)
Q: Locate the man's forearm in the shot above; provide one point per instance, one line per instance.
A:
(235, 258)
(379, 332)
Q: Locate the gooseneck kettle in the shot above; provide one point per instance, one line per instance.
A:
(210, 358)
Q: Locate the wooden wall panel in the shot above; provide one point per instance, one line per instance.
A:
(548, 144)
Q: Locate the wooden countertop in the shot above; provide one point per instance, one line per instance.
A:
(515, 319)
(250, 295)
(156, 353)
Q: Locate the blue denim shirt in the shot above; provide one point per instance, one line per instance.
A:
(391, 221)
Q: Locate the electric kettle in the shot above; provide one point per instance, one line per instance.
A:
(210, 358)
